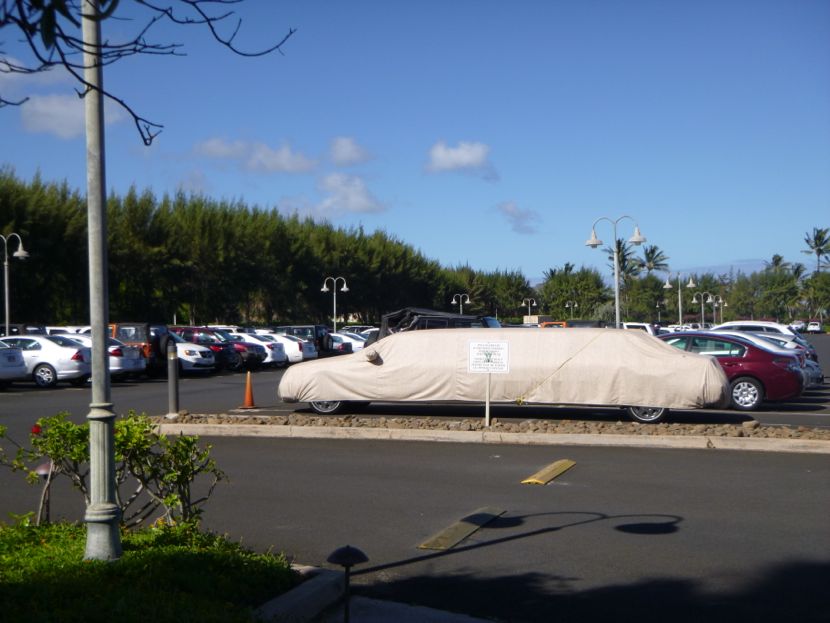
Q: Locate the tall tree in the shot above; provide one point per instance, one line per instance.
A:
(818, 244)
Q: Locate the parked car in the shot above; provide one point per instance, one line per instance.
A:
(755, 326)
(193, 357)
(814, 327)
(755, 374)
(146, 338)
(124, 360)
(317, 334)
(596, 367)
(769, 343)
(641, 326)
(274, 351)
(23, 328)
(340, 343)
(296, 349)
(252, 353)
(53, 358)
(358, 341)
(12, 365)
(225, 353)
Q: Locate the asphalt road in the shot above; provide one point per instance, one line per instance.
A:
(625, 534)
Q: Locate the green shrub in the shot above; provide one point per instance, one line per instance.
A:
(153, 472)
(166, 573)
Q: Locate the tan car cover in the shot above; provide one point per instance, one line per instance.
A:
(546, 366)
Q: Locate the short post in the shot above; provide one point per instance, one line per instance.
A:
(172, 381)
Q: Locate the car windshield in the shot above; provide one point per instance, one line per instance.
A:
(177, 338)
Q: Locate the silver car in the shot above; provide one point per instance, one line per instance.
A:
(53, 358)
(124, 360)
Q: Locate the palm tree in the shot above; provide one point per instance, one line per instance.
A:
(819, 244)
(629, 265)
(777, 264)
(654, 259)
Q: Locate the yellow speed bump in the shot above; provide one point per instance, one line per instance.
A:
(461, 529)
(546, 474)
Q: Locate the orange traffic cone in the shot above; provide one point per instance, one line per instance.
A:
(249, 394)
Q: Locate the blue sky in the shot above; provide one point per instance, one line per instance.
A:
(480, 132)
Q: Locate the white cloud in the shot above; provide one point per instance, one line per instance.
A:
(466, 156)
(61, 115)
(257, 156)
(347, 193)
(521, 221)
(345, 151)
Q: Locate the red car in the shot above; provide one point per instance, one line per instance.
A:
(754, 374)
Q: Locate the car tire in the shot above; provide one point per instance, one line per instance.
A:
(78, 382)
(235, 363)
(746, 394)
(45, 376)
(647, 415)
(328, 407)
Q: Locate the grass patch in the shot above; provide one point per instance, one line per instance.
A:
(165, 574)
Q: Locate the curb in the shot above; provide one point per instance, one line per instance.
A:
(306, 602)
(761, 444)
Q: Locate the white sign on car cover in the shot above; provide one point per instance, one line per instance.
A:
(489, 357)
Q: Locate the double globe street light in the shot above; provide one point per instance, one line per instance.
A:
(529, 302)
(459, 299)
(594, 242)
(21, 254)
(325, 288)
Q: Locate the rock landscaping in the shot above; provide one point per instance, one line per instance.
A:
(751, 428)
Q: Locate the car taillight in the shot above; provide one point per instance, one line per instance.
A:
(272, 347)
(116, 352)
(78, 356)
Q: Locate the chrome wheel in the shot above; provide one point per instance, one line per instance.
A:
(647, 415)
(327, 407)
(747, 394)
(45, 376)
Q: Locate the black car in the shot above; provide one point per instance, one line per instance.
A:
(413, 318)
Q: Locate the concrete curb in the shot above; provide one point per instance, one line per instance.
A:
(761, 444)
(307, 601)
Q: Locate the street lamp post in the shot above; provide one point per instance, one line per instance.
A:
(344, 288)
(719, 303)
(595, 242)
(571, 305)
(22, 254)
(458, 299)
(529, 302)
(668, 286)
(708, 299)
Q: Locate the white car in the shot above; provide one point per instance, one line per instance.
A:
(358, 341)
(193, 357)
(124, 359)
(53, 358)
(813, 327)
(295, 348)
(755, 326)
(12, 365)
(274, 351)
